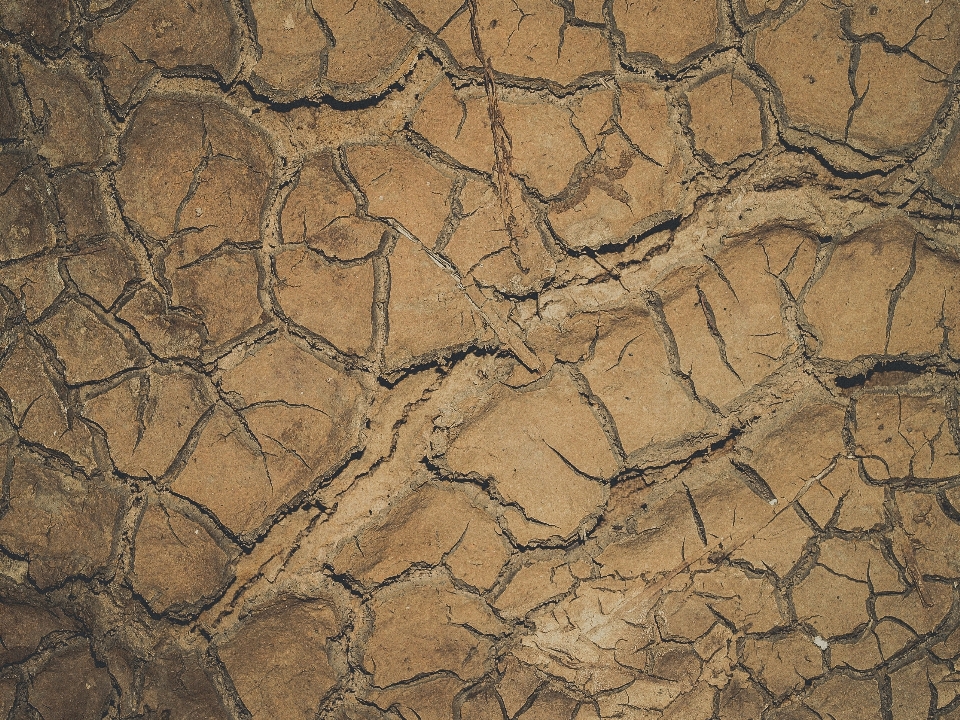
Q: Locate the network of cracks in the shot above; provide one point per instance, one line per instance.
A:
(526, 359)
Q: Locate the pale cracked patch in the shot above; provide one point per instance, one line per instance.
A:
(491, 360)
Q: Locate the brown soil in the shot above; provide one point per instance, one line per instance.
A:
(536, 359)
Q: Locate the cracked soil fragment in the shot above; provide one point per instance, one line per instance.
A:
(495, 360)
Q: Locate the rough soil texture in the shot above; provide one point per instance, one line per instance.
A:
(536, 359)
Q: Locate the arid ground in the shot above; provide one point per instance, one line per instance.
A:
(535, 359)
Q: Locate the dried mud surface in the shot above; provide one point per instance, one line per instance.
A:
(515, 359)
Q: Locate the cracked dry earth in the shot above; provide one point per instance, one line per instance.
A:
(515, 359)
